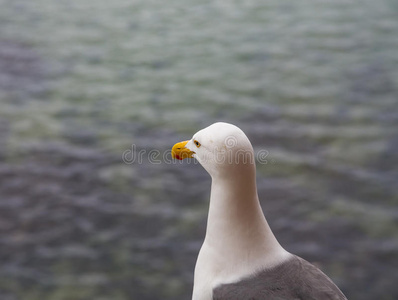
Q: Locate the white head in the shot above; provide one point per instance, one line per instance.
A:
(221, 149)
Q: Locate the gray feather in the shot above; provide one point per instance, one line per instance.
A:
(295, 279)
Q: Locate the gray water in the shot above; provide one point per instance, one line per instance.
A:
(313, 83)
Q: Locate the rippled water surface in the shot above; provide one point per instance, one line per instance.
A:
(314, 83)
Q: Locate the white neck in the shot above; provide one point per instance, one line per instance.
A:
(238, 238)
(236, 216)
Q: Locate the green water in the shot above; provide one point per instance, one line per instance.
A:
(314, 83)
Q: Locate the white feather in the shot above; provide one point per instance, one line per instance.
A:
(238, 239)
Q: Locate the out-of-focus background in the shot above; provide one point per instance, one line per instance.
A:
(314, 83)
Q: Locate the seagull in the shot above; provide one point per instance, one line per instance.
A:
(240, 258)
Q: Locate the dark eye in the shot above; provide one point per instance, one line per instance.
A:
(196, 143)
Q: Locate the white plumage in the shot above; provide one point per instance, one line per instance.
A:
(239, 243)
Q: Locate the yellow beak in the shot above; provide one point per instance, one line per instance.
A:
(180, 152)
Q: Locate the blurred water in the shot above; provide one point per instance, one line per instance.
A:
(315, 83)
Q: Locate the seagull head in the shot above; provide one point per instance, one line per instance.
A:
(220, 148)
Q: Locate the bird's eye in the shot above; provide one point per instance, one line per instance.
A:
(196, 143)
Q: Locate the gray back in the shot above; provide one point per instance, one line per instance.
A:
(293, 279)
